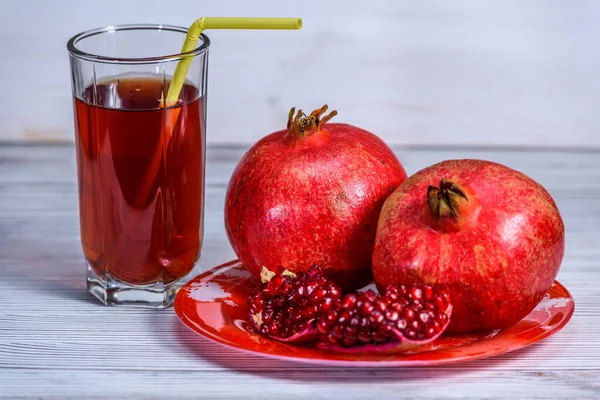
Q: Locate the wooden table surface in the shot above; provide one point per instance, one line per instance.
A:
(56, 341)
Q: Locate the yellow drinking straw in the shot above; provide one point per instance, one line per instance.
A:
(203, 23)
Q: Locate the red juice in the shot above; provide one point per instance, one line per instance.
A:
(141, 172)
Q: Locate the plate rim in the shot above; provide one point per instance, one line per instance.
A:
(358, 363)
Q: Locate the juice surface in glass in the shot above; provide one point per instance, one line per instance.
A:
(140, 172)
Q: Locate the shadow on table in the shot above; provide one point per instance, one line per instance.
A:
(277, 369)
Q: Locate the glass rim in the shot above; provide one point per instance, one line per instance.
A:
(75, 51)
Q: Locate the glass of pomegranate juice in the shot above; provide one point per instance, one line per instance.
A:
(140, 160)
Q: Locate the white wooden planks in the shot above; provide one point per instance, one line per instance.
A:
(57, 342)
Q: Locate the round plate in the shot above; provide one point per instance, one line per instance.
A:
(214, 306)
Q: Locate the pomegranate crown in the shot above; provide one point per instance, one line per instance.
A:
(445, 200)
(303, 124)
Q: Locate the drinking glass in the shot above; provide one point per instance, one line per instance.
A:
(140, 161)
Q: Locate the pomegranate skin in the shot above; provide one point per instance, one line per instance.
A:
(295, 200)
(497, 257)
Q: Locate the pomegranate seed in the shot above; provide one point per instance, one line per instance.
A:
(313, 273)
(416, 325)
(322, 326)
(318, 296)
(310, 287)
(377, 317)
(437, 327)
(442, 318)
(256, 301)
(348, 301)
(351, 332)
(381, 305)
(334, 291)
(267, 316)
(274, 328)
(327, 304)
(391, 289)
(427, 292)
(416, 293)
(391, 315)
(354, 322)
(367, 308)
(370, 295)
(275, 282)
(410, 334)
(338, 332)
(310, 312)
(331, 317)
(297, 316)
(442, 302)
(392, 297)
(286, 288)
(401, 324)
(278, 301)
(386, 329)
(430, 332)
(409, 314)
(349, 341)
(343, 316)
(425, 317)
(332, 339)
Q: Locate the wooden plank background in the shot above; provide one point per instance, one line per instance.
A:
(57, 342)
(469, 72)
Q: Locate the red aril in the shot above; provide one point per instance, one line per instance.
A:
(488, 235)
(311, 194)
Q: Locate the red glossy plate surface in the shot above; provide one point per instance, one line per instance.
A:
(214, 306)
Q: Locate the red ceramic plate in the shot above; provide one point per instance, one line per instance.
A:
(214, 306)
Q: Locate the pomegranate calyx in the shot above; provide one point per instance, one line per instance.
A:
(445, 200)
(303, 125)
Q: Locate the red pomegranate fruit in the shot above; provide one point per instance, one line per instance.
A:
(311, 194)
(307, 307)
(488, 235)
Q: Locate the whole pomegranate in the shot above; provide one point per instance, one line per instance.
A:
(488, 235)
(311, 194)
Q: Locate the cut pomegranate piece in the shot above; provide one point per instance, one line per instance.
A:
(309, 307)
(400, 320)
(286, 306)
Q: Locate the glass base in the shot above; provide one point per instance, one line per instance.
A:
(113, 292)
